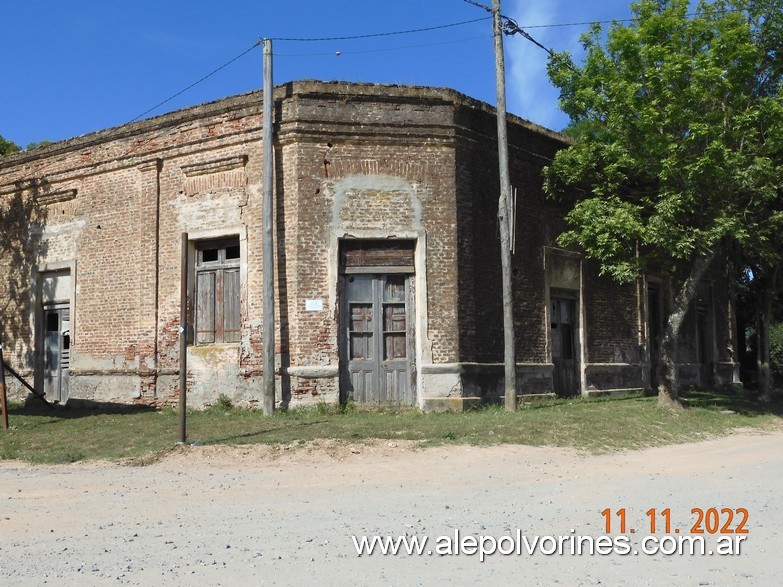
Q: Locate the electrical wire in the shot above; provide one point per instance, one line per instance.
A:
(585, 23)
(384, 50)
(371, 35)
(295, 39)
(510, 27)
(169, 99)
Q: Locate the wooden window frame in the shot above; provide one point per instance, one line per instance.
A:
(219, 307)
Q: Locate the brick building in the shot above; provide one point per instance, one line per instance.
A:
(386, 254)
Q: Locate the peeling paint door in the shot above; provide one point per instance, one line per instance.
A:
(377, 341)
(563, 318)
(56, 351)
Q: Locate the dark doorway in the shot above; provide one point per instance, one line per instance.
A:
(563, 318)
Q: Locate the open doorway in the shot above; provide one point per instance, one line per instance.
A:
(564, 327)
(54, 335)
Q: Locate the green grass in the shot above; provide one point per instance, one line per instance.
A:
(121, 433)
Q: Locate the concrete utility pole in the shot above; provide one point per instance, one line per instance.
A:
(268, 392)
(505, 217)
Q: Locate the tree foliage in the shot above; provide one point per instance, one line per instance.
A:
(678, 153)
(776, 353)
(34, 145)
(7, 147)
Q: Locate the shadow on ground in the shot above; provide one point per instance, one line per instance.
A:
(74, 409)
(741, 401)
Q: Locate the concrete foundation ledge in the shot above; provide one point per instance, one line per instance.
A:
(476, 368)
(531, 397)
(314, 372)
(450, 404)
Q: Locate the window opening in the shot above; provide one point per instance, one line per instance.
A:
(217, 291)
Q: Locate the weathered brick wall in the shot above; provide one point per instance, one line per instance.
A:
(538, 223)
(360, 173)
(21, 241)
(480, 305)
(123, 228)
(612, 316)
(352, 161)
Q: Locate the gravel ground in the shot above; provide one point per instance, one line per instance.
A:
(256, 515)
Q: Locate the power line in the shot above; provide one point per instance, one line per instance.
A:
(511, 27)
(169, 99)
(614, 20)
(294, 39)
(384, 50)
(370, 35)
(585, 23)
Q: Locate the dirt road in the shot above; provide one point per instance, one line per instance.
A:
(229, 516)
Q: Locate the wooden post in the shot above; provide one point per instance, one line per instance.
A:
(268, 391)
(3, 398)
(504, 217)
(183, 339)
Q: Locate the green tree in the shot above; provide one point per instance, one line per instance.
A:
(776, 353)
(7, 147)
(678, 125)
(32, 146)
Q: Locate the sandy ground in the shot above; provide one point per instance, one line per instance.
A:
(255, 515)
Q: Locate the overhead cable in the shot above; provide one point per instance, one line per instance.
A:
(370, 35)
(169, 99)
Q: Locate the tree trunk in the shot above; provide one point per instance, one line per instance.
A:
(667, 367)
(764, 320)
(764, 309)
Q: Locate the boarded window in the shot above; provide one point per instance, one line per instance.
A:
(217, 291)
(376, 254)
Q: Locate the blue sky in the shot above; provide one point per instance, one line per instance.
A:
(70, 68)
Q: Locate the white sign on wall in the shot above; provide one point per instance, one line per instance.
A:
(314, 305)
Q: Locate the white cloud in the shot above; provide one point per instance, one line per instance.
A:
(529, 93)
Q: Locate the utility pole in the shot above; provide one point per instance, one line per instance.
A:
(3, 397)
(268, 391)
(504, 217)
(183, 338)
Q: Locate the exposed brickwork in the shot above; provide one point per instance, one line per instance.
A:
(612, 319)
(352, 161)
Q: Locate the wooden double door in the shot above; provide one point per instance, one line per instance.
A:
(377, 341)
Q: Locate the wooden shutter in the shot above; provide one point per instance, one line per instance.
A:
(377, 255)
(205, 309)
(231, 330)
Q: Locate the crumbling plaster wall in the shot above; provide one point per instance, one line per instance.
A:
(361, 173)
(352, 161)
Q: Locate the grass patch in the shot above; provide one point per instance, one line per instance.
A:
(43, 435)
